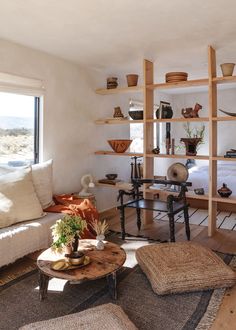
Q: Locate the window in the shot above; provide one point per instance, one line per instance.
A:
(19, 129)
(136, 130)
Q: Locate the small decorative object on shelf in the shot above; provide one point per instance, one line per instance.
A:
(177, 172)
(168, 138)
(119, 146)
(172, 77)
(227, 69)
(118, 113)
(136, 114)
(86, 183)
(156, 150)
(230, 153)
(132, 80)
(190, 112)
(164, 111)
(172, 146)
(199, 191)
(100, 228)
(136, 169)
(191, 145)
(224, 191)
(112, 82)
(111, 176)
(233, 114)
(67, 231)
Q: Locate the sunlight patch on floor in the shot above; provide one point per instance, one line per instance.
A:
(55, 285)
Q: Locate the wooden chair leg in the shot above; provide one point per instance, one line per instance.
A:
(186, 220)
(172, 227)
(122, 222)
(138, 218)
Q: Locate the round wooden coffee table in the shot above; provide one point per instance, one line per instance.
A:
(103, 263)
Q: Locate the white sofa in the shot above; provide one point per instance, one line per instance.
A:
(24, 227)
(23, 238)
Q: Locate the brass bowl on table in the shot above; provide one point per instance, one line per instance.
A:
(75, 258)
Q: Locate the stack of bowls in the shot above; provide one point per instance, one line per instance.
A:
(112, 82)
(172, 77)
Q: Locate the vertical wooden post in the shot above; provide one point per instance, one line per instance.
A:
(148, 132)
(212, 206)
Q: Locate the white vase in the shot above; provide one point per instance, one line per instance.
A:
(100, 243)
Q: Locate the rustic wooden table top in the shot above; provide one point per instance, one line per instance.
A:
(102, 263)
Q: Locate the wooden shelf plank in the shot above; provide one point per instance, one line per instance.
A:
(172, 120)
(110, 121)
(178, 156)
(224, 118)
(224, 158)
(112, 153)
(224, 80)
(189, 194)
(229, 200)
(180, 84)
(119, 90)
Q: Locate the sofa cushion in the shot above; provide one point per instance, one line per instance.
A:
(42, 179)
(183, 267)
(23, 238)
(106, 317)
(18, 199)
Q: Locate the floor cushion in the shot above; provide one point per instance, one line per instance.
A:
(105, 317)
(183, 267)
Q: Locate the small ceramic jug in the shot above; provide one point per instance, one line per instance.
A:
(100, 243)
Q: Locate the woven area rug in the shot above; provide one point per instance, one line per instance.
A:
(19, 300)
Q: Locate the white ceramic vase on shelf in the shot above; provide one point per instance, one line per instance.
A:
(100, 243)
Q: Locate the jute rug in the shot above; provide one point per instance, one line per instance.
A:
(19, 301)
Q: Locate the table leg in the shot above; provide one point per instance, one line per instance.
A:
(43, 285)
(111, 281)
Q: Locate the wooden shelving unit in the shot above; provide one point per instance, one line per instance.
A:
(112, 153)
(119, 90)
(209, 84)
(109, 121)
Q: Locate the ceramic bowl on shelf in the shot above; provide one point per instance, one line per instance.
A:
(111, 176)
(119, 146)
(136, 114)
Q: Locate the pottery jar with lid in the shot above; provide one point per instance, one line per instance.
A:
(224, 191)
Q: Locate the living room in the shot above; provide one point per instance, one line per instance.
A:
(70, 62)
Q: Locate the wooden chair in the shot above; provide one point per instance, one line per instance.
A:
(172, 206)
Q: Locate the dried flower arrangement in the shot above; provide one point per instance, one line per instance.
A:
(100, 227)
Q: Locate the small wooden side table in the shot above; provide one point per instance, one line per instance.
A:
(104, 263)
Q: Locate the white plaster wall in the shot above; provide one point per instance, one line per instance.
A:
(70, 136)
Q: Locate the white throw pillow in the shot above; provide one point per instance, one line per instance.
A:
(42, 178)
(18, 199)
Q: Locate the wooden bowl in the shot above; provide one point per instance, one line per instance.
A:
(119, 146)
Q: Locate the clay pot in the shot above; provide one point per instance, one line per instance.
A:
(224, 191)
(132, 79)
(227, 69)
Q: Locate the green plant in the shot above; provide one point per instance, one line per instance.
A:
(195, 132)
(65, 230)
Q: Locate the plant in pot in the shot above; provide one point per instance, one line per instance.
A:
(67, 231)
(100, 228)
